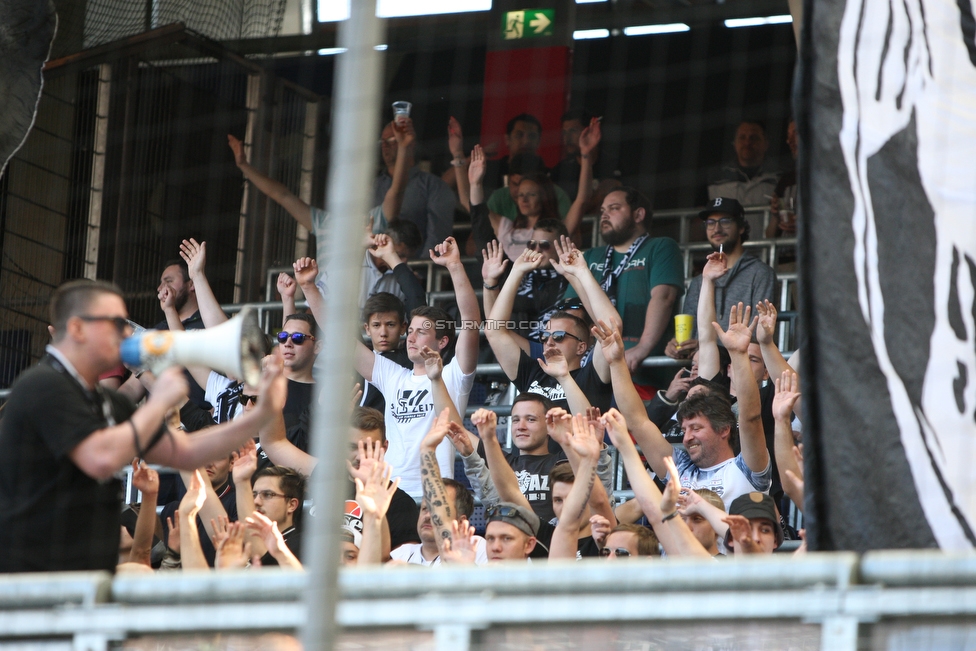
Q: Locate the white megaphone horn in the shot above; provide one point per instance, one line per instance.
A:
(235, 348)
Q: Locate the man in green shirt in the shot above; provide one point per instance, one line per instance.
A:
(643, 277)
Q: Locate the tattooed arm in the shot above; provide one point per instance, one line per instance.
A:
(583, 441)
(441, 509)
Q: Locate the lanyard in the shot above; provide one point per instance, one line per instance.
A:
(608, 283)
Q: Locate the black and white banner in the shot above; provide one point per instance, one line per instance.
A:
(886, 104)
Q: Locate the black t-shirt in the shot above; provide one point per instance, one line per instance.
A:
(530, 377)
(54, 517)
(585, 547)
(532, 472)
(293, 538)
(402, 517)
(299, 398)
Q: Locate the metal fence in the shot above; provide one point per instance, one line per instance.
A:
(829, 602)
(119, 168)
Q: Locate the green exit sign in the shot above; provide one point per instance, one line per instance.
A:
(527, 23)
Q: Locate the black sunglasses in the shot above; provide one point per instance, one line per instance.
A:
(298, 338)
(246, 399)
(538, 245)
(569, 304)
(557, 336)
(618, 551)
(120, 322)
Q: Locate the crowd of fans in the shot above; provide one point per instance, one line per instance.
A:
(711, 452)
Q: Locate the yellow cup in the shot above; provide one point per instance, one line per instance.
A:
(682, 327)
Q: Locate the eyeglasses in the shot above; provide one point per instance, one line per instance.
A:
(505, 512)
(557, 336)
(389, 142)
(538, 245)
(568, 304)
(120, 322)
(723, 222)
(297, 338)
(266, 495)
(617, 551)
(246, 399)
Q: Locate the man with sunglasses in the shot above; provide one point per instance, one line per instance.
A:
(66, 438)
(563, 335)
(749, 280)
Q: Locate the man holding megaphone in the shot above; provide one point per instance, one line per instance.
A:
(65, 437)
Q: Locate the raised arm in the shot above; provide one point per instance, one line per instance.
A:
(374, 497)
(191, 554)
(434, 366)
(660, 510)
(492, 271)
(588, 141)
(736, 340)
(555, 366)
(195, 256)
(787, 396)
(441, 509)
(691, 503)
(405, 138)
(505, 343)
(146, 480)
(261, 527)
(776, 364)
(283, 452)
(455, 143)
(583, 440)
(648, 436)
(276, 191)
(448, 255)
(709, 363)
(286, 286)
(502, 475)
(414, 292)
(167, 303)
(212, 508)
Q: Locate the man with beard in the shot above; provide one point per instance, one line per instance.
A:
(749, 280)
(641, 275)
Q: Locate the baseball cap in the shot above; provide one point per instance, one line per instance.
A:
(757, 505)
(519, 517)
(723, 205)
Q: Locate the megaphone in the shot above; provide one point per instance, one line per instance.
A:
(234, 348)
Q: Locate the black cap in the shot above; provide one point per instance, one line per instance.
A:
(753, 506)
(723, 205)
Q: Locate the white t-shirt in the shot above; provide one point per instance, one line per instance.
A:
(411, 553)
(410, 414)
(728, 479)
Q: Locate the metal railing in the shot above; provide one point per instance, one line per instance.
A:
(831, 602)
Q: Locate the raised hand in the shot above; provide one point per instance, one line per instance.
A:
(595, 418)
(679, 386)
(459, 437)
(494, 265)
(273, 387)
(767, 322)
(173, 527)
(375, 494)
(528, 261)
(787, 393)
(232, 550)
(464, 548)
(195, 496)
(404, 133)
(260, 525)
(246, 463)
(195, 255)
(357, 394)
(144, 478)
(590, 137)
(369, 455)
(616, 426)
(446, 253)
(438, 432)
(669, 498)
(477, 167)
(286, 285)
(237, 147)
(599, 529)
(455, 139)
(559, 422)
(610, 341)
(167, 299)
(583, 439)
(571, 260)
(554, 364)
(716, 266)
(486, 421)
(306, 269)
(689, 502)
(739, 335)
(433, 363)
(741, 530)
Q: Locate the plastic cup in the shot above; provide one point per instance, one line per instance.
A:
(682, 327)
(401, 111)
